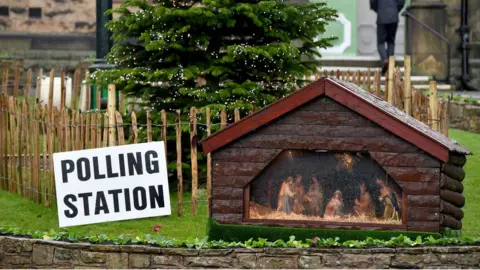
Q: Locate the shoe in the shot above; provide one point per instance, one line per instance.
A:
(384, 67)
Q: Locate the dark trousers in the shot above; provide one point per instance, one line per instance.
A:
(386, 34)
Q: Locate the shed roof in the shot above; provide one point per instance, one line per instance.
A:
(353, 97)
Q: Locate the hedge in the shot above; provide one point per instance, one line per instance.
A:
(228, 232)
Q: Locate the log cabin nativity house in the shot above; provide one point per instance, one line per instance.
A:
(334, 156)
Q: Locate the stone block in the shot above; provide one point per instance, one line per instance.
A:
(42, 254)
(211, 262)
(265, 262)
(9, 260)
(180, 251)
(13, 245)
(283, 251)
(407, 261)
(138, 261)
(88, 257)
(117, 260)
(412, 250)
(248, 261)
(468, 259)
(332, 261)
(310, 262)
(161, 261)
(381, 261)
(356, 260)
(62, 254)
(215, 252)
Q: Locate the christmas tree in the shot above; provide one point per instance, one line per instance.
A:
(216, 53)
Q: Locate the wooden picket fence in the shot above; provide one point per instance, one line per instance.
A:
(32, 131)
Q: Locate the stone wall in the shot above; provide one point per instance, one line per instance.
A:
(28, 253)
(464, 116)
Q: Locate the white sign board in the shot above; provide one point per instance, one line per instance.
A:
(113, 183)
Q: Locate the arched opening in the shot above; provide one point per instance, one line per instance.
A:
(325, 186)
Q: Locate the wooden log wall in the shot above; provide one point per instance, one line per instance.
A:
(451, 188)
(326, 124)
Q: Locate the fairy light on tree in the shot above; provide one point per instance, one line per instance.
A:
(214, 52)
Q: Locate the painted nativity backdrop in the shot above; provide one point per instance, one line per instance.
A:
(331, 155)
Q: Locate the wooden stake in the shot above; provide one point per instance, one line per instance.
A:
(44, 176)
(105, 129)
(3, 132)
(50, 89)
(178, 137)
(88, 129)
(369, 84)
(134, 128)
(121, 135)
(98, 94)
(28, 143)
(76, 89)
(407, 86)
(111, 113)
(5, 81)
(81, 124)
(121, 103)
(51, 141)
(68, 137)
(63, 89)
(20, 138)
(209, 164)
(93, 133)
(29, 84)
(39, 84)
(433, 105)
(98, 140)
(14, 186)
(36, 154)
(391, 70)
(78, 130)
(193, 148)
(237, 115)
(223, 119)
(164, 130)
(87, 91)
(149, 126)
(16, 82)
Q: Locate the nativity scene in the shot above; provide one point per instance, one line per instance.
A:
(323, 186)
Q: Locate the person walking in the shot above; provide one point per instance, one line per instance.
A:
(387, 24)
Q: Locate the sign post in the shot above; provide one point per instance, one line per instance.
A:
(111, 184)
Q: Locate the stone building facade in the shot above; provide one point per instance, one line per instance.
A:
(48, 33)
(61, 33)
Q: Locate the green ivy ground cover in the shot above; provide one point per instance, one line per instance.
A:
(291, 242)
(23, 215)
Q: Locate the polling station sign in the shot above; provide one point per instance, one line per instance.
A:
(110, 184)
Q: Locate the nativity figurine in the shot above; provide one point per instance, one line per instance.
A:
(299, 196)
(334, 207)
(364, 205)
(285, 196)
(391, 207)
(315, 198)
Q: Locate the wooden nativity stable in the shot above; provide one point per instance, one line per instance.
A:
(333, 156)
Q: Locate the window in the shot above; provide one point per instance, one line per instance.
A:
(325, 187)
(35, 13)
(4, 11)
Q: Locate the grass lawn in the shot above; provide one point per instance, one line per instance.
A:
(471, 221)
(24, 214)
